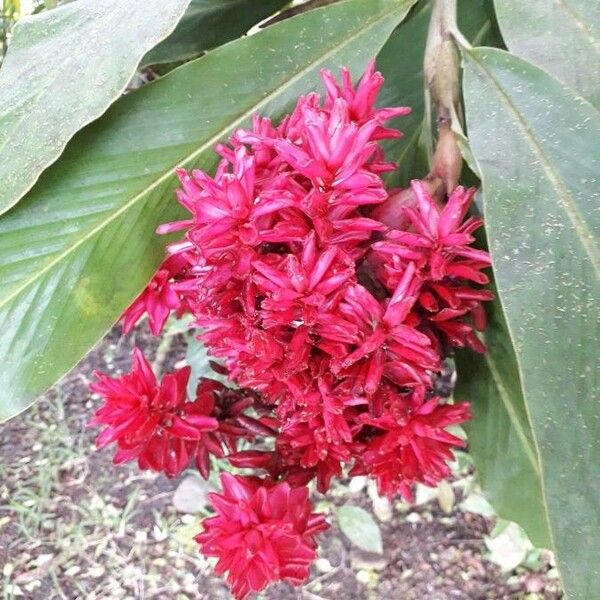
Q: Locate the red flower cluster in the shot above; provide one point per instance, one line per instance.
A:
(262, 533)
(159, 427)
(337, 322)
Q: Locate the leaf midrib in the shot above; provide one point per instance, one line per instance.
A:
(564, 196)
(190, 157)
(581, 25)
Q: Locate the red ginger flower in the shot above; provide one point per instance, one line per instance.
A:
(261, 534)
(279, 249)
(319, 425)
(412, 446)
(305, 451)
(318, 421)
(297, 288)
(232, 213)
(381, 337)
(151, 422)
(156, 423)
(361, 101)
(260, 202)
(439, 243)
(334, 153)
(335, 336)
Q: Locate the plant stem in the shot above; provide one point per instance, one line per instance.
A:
(441, 67)
(441, 63)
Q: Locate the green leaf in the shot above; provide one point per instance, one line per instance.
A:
(210, 23)
(500, 437)
(536, 144)
(401, 63)
(561, 37)
(81, 245)
(63, 69)
(360, 528)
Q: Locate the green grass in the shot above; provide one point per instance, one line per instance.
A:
(54, 449)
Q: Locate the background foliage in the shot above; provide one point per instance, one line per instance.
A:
(64, 69)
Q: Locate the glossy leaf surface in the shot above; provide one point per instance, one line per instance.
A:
(210, 23)
(63, 69)
(562, 37)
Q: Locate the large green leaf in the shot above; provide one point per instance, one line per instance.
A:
(210, 23)
(401, 63)
(500, 435)
(562, 37)
(79, 247)
(536, 144)
(63, 69)
(500, 438)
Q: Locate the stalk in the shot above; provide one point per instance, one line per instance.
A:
(441, 67)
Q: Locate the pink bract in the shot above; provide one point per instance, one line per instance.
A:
(156, 424)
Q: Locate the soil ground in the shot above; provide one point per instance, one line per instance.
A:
(72, 526)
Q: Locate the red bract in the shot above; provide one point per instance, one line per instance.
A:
(261, 533)
(439, 243)
(228, 407)
(361, 101)
(160, 296)
(383, 337)
(149, 421)
(297, 288)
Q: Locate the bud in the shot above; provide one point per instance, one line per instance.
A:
(441, 62)
(447, 159)
(442, 76)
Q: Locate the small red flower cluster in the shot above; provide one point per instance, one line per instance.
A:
(158, 426)
(261, 534)
(332, 322)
